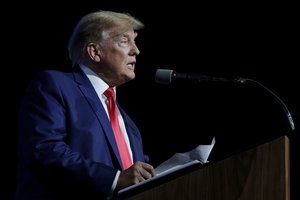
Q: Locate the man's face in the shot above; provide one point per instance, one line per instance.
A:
(118, 56)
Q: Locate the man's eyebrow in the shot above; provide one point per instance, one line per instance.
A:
(124, 34)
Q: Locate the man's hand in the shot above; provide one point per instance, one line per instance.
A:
(138, 172)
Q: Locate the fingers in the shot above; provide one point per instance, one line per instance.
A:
(138, 172)
(146, 170)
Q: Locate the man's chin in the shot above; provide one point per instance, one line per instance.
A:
(131, 75)
(128, 78)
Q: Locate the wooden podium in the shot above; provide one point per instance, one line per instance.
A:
(260, 173)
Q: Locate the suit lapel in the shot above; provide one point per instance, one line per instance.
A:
(91, 96)
(131, 129)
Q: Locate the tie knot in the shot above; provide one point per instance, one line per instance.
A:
(109, 92)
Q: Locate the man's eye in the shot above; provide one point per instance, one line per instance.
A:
(124, 42)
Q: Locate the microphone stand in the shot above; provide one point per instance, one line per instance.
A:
(282, 104)
(294, 137)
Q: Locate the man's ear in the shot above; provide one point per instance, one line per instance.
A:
(94, 52)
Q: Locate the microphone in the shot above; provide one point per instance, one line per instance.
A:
(168, 76)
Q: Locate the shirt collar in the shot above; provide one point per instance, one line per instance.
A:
(98, 83)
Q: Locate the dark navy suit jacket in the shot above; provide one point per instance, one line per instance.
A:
(67, 148)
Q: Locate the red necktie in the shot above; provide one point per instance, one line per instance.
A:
(113, 115)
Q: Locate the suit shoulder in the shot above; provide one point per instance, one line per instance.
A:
(50, 78)
(51, 73)
(46, 76)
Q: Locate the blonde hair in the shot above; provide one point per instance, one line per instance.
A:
(90, 28)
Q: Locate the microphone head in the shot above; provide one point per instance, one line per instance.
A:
(163, 76)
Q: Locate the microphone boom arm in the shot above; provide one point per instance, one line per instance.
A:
(167, 76)
(286, 110)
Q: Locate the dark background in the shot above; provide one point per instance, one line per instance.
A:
(255, 40)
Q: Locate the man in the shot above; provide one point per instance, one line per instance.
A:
(68, 142)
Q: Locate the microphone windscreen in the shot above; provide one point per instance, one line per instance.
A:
(163, 76)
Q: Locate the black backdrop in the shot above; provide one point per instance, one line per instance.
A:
(252, 40)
